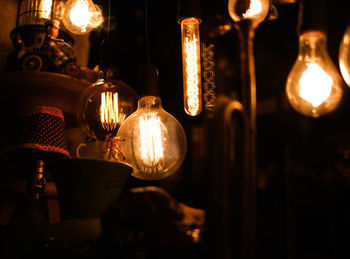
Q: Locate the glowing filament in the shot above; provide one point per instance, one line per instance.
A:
(80, 15)
(45, 9)
(191, 66)
(109, 110)
(255, 7)
(151, 139)
(315, 85)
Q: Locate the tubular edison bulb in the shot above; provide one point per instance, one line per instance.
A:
(81, 16)
(153, 141)
(344, 56)
(314, 86)
(191, 63)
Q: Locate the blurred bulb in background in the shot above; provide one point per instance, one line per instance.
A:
(344, 56)
(314, 86)
(103, 107)
(45, 9)
(191, 62)
(81, 16)
(153, 141)
(254, 10)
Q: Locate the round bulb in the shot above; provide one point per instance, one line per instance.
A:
(81, 16)
(254, 10)
(314, 85)
(103, 107)
(344, 56)
(153, 141)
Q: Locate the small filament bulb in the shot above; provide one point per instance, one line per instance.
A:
(191, 66)
(109, 110)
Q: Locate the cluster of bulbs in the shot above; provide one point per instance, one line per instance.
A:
(151, 140)
(148, 138)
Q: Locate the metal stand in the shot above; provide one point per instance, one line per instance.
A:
(246, 35)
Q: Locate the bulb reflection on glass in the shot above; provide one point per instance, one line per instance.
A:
(314, 86)
(103, 107)
(153, 141)
(191, 63)
(344, 56)
(81, 16)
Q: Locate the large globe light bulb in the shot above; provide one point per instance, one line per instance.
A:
(314, 86)
(344, 56)
(254, 10)
(81, 16)
(153, 141)
(103, 107)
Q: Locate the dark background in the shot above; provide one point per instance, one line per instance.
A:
(303, 163)
(303, 176)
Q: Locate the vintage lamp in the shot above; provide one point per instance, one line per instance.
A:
(314, 86)
(152, 140)
(103, 107)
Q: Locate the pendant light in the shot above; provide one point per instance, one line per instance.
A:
(152, 140)
(314, 86)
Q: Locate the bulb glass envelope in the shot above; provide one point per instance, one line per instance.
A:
(314, 86)
(152, 140)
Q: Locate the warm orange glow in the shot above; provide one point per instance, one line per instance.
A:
(255, 8)
(315, 85)
(151, 139)
(109, 110)
(45, 9)
(191, 66)
(80, 15)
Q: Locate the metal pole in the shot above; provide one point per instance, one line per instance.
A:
(246, 35)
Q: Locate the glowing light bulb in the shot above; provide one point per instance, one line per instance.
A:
(191, 62)
(81, 16)
(344, 56)
(153, 141)
(45, 9)
(254, 10)
(103, 107)
(314, 86)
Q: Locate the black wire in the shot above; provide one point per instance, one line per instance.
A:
(148, 54)
(105, 40)
(109, 18)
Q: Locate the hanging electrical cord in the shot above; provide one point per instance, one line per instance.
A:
(155, 142)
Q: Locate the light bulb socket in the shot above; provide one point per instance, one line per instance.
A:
(189, 9)
(148, 80)
(312, 16)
